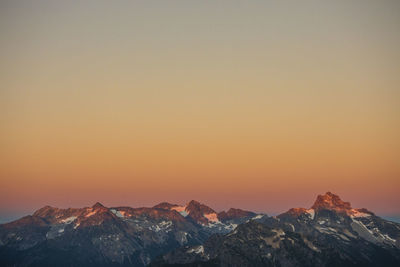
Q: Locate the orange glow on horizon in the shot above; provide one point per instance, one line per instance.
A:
(261, 107)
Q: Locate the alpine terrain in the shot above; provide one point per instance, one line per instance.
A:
(330, 233)
(117, 236)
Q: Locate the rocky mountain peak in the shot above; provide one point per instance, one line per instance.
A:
(196, 207)
(330, 201)
(45, 211)
(234, 214)
(198, 211)
(98, 205)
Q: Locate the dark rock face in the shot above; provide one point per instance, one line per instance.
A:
(234, 214)
(257, 244)
(101, 236)
(197, 211)
(331, 233)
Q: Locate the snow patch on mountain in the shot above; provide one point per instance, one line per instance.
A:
(181, 210)
(162, 226)
(257, 217)
(69, 220)
(120, 214)
(311, 212)
(220, 227)
(371, 234)
(197, 250)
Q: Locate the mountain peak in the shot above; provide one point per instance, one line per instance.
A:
(330, 201)
(234, 214)
(198, 211)
(194, 205)
(98, 205)
(45, 211)
(193, 202)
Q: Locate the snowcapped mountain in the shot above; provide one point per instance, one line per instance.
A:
(330, 233)
(331, 215)
(210, 220)
(102, 236)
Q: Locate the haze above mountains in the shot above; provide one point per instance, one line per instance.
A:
(263, 102)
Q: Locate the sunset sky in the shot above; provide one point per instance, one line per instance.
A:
(259, 105)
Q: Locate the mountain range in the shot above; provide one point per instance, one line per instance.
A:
(329, 233)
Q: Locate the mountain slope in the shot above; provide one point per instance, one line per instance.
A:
(101, 236)
(329, 214)
(330, 233)
(210, 220)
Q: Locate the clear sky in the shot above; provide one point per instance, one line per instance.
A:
(252, 104)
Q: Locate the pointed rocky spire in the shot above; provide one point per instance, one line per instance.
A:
(195, 206)
(330, 201)
(98, 205)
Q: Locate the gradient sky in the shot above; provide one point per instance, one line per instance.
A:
(252, 104)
